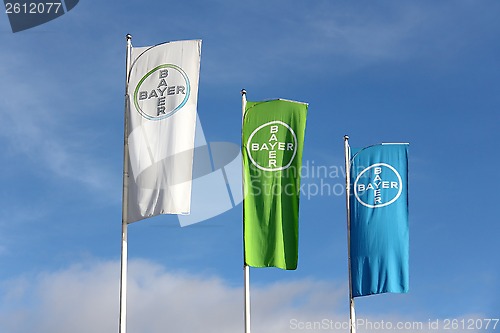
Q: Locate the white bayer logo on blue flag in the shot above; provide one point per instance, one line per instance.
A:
(378, 185)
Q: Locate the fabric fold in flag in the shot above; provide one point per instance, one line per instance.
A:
(379, 233)
(272, 145)
(161, 119)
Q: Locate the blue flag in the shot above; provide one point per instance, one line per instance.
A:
(379, 235)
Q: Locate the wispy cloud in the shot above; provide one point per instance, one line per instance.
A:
(300, 37)
(84, 298)
(39, 132)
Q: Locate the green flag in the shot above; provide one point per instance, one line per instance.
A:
(272, 142)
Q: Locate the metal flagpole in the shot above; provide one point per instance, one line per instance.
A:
(246, 268)
(347, 150)
(123, 273)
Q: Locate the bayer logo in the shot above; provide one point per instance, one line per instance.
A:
(162, 92)
(378, 185)
(272, 146)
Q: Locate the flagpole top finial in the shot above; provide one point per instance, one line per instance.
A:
(128, 37)
(346, 137)
(243, 92)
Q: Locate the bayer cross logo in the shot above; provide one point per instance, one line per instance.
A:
(161, 92)
(272, 146)
(378, 185)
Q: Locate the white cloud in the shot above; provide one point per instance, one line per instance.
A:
(84, 298)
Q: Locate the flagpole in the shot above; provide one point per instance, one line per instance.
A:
(347, 150)
(123, 272)
(246, 268)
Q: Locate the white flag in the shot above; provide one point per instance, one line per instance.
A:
(162, 97)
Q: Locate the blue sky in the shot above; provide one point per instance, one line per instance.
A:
(422, 72)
